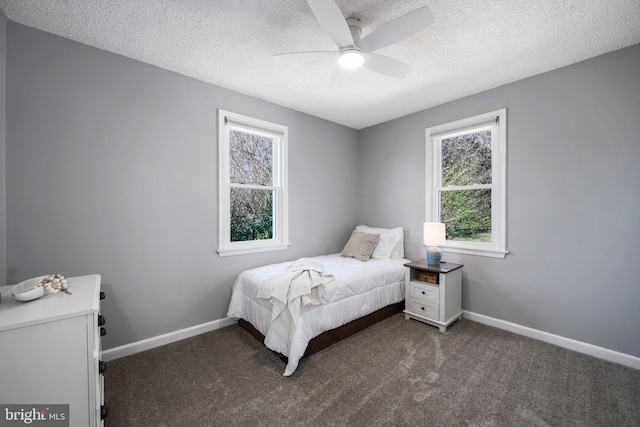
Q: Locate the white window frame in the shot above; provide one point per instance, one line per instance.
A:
(228, 120)
(497, 121)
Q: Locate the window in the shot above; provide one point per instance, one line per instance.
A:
(253, 185)
(466, 188)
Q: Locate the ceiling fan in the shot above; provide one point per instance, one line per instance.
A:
(354, 52)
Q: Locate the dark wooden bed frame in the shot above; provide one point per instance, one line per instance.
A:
(328, 338)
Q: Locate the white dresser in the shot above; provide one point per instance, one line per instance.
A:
(433, 293)
(50, 351)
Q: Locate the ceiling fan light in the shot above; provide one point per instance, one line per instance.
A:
(350, 59)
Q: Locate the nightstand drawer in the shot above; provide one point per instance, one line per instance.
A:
(424, 308)
(424, 292)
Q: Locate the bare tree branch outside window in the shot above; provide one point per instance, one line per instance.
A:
(251, 167)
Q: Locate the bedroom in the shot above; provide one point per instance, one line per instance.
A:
(110, 167)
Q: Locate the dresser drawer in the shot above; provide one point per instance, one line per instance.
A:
(424, 292)
(424, 308)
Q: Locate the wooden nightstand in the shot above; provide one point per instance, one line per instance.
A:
(433, 294)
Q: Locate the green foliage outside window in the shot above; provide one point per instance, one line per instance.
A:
(251, 215)
(466, 160)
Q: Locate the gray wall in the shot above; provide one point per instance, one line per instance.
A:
(3, 210)
(573, 199)
(112, 169)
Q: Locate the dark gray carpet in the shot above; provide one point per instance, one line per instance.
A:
(395, 373)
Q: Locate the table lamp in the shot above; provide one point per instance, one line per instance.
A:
(434, 236)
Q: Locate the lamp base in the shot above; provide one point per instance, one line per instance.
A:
(434, 254)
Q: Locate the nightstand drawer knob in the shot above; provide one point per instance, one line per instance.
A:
(101, 320)
(423, 292)
(422, 308)
(103, 412)
(103, 332)
(102, 295)
(102, 367)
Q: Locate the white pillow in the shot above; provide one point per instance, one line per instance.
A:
(393, 237)
(386, 243)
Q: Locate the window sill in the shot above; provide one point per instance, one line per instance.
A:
(476, 252)
(253, 249)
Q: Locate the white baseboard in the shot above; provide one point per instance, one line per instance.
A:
(579, 346)
(149, 343)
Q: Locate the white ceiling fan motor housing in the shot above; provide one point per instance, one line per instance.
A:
(355, 26)
(351, 57)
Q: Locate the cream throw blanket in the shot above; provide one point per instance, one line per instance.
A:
(300, 285)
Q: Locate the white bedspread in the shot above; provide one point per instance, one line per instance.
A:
(301, 284)
(358, 288)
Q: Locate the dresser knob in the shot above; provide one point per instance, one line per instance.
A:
(423, 292)
(102, 295)
(103, 332)
(422, 308)
(103, 412)
(101, 320)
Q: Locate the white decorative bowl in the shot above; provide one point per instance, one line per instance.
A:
(28, 290)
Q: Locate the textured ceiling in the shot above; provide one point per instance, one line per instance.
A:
(472, 46)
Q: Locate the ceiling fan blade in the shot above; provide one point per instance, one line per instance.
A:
(331, 19)
(398, 29)
(385, 65)
(284, 57)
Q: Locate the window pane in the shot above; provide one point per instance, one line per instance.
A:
(467, 214)
(250, 158)
(251, 214)
(466, 159)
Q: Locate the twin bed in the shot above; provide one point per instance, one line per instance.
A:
(300, 307)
